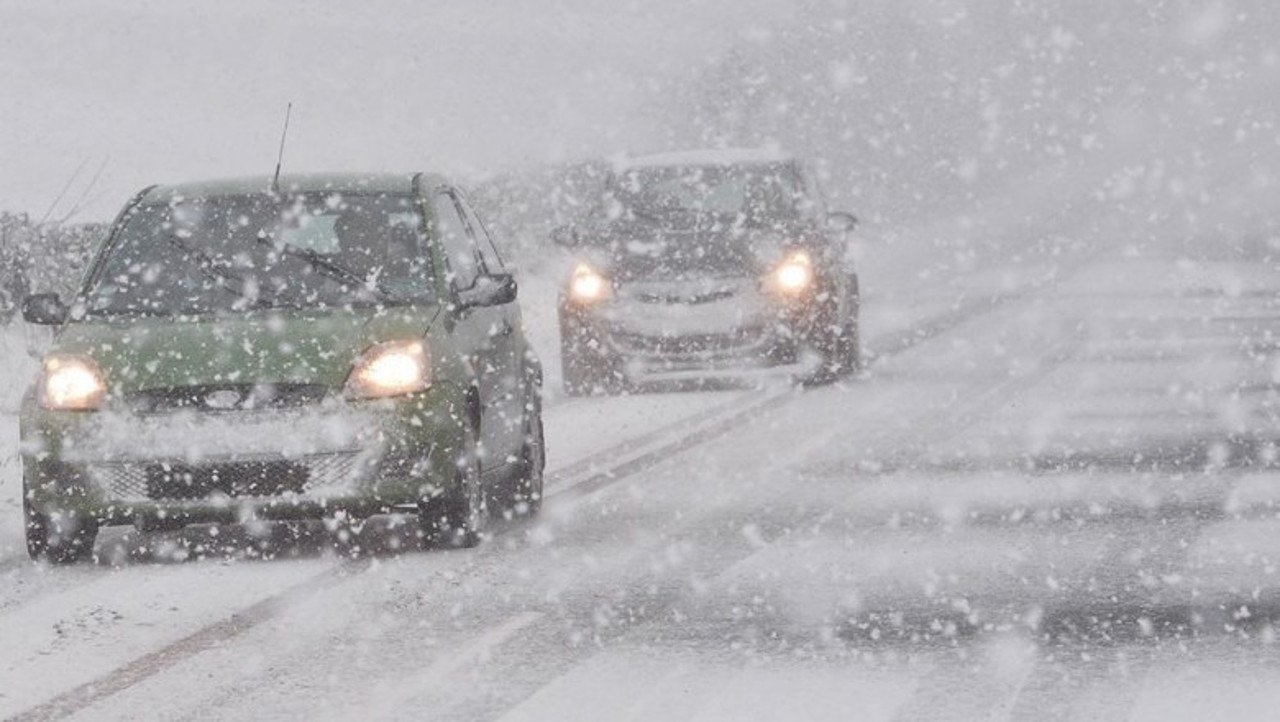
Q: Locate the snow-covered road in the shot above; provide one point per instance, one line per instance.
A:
(1052, 497)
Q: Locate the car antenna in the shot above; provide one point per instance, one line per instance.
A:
(275, 180)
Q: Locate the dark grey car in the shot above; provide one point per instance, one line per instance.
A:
(697, 263)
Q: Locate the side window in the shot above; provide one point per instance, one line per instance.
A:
(488, 253)
(459, 246)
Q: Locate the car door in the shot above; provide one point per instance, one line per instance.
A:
(484, 334)
(506, 339)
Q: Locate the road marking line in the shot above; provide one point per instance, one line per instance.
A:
(193, 644)
(637, 459)
(593, 462)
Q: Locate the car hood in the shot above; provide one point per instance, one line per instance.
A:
(269, 347)
(630, 251)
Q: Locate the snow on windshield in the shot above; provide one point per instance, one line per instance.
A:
(233, 252)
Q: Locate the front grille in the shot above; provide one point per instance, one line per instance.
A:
(156, 481)
(686, 344)
(254, 478)
(225, 397)
(685, 299)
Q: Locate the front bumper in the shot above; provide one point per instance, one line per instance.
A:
(171, 469)
(650, 341)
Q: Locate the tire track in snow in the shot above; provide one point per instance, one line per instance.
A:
(206, 638)
(1151, 590)
(392, 701)
(1102, 636)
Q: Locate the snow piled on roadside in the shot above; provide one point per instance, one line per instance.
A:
(20, 367)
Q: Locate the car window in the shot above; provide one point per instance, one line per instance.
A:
(460, 246)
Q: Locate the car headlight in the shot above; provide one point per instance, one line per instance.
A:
(390, 369)
(71, 383)
(795, 275)
(589, 285)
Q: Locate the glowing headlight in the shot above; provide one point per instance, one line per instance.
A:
(390, 369)
(588, 284)
(71, 384)
(795, 274)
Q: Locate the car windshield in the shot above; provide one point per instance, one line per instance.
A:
(236, 252)
(757, 193)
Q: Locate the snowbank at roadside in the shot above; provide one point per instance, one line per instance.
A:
(20, 366)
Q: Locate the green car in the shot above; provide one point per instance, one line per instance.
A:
(317, 347)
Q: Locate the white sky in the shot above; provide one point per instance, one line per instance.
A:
(171, 91)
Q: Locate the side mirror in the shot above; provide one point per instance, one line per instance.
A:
(841, 222)
(44, 309)
(564, 236)
(489, 291)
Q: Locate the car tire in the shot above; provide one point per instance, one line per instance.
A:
(526, 491)
(458, 519)
(62, 538)
(851, 361)
(841, 356)
(831, 343)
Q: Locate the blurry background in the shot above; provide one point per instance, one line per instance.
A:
(1160, 113)
(171, 91)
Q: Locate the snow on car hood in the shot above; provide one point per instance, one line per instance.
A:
(316, 347)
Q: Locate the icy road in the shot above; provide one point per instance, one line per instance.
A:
(1052, 497)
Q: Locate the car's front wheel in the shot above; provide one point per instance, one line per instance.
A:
(850, 344)
(830, 348)
(60, 537)
(526, 495)
(458, 519)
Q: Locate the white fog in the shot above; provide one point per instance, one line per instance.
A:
(704, 360)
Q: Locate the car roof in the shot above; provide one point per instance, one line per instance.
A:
(707, 156)
(296, 183)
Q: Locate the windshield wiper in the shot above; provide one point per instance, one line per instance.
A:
(210, 269)
(329, 267)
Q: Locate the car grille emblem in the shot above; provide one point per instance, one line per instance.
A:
(689, 299)
(222, 400)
